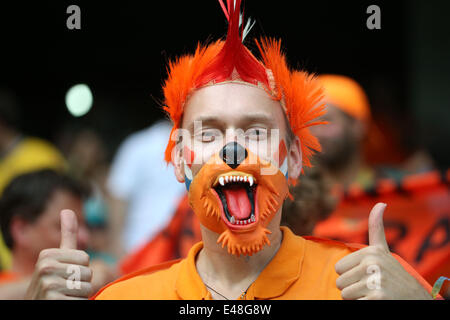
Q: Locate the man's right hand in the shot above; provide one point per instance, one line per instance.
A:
(62, 273)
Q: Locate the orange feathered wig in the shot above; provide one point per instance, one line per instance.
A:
(299, 93)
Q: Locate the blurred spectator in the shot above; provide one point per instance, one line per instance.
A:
(417, 218)
(30, 222)
(348, 116)
(143, 188)
(312, 202)
(20, 154)
(86, 154)
(97, 220)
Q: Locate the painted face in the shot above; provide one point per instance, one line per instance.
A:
(237, 184)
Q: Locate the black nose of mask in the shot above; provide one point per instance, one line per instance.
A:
(233, 154)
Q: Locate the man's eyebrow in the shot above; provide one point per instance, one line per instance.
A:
(244, 120)
(258, 117)
(204, 119)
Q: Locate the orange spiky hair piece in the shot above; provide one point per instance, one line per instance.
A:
(299, 93)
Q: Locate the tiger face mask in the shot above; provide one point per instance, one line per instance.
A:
(232, 196)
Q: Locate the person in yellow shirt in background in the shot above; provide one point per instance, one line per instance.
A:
(20, 154)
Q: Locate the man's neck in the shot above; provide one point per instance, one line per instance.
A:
(22, 263)
(227, 276)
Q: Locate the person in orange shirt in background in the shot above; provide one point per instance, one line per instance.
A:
(417, 221)
(226, 105)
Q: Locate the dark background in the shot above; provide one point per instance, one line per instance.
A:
(122, 48)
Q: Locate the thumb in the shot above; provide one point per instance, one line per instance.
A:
(69, 230)
(376, 227)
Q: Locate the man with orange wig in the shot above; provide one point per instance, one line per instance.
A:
(240, 136)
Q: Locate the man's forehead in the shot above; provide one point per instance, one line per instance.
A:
(231, 102)
(247, 118)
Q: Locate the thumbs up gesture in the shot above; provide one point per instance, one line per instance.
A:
(62, 273)
(372, 273)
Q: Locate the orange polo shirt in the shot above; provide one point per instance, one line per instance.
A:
(303, 268)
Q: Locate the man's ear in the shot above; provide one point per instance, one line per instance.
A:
(178, 162)
(19, 229)
(295, 158)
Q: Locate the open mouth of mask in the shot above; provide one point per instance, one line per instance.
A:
(237, 193)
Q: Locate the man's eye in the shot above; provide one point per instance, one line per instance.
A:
(208, 136)
(256, 133)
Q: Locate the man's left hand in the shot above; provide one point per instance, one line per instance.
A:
(372, 273)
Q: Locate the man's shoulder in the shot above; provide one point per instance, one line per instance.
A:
(325, 253)
(153, 283)
(318, 245)
(314, 247)
(319, 253)
(333, 245)
(318, 273)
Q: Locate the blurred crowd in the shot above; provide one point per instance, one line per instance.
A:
(133, 213)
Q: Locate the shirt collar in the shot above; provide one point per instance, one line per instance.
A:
(274, 280)
(189, 285)
(283, 270)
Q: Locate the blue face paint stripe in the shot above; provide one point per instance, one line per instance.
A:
(187, 183)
